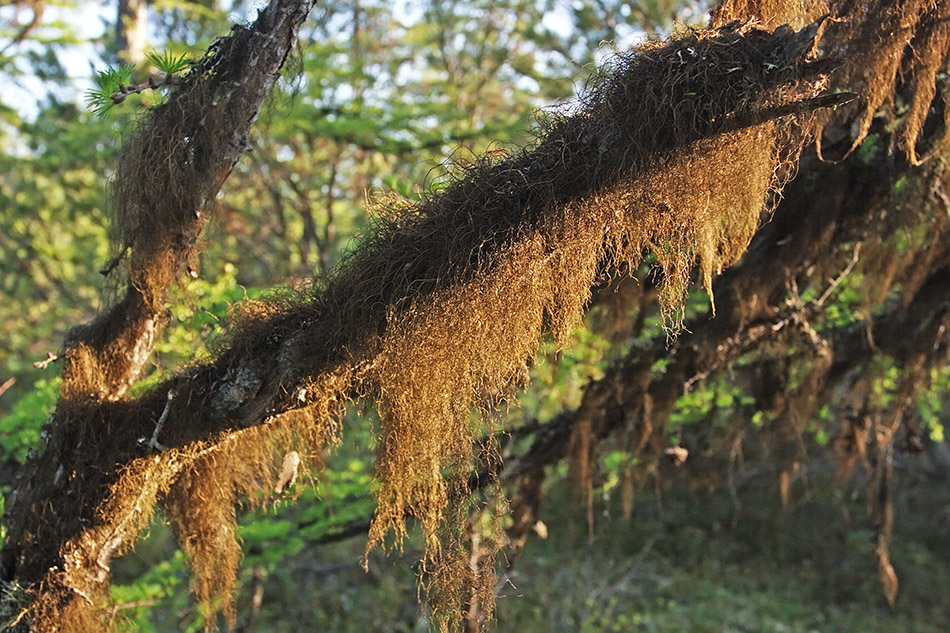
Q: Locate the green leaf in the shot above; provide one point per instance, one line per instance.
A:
(169, 63)
(111, 78)
(109, 82)
(100, 102)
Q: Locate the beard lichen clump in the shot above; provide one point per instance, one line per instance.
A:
(243, 469)
(895, 55)
(675, 149)
(908, 45)
(656, 158)
(172, 166)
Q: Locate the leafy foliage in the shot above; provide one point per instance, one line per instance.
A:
(114, 85)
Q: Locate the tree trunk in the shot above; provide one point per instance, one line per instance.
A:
(131, 31)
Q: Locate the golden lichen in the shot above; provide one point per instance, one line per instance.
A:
(476, 277)
(172, 166)
(239, 468)
(674, 149)
(898, 54)
(770, 13)
(444, 304)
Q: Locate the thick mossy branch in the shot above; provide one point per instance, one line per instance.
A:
(854, 204)
(440, 309)
(839, 205)
(169, 173)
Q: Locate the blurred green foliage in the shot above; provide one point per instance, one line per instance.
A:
(20, 428)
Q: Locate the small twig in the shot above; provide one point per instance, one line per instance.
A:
(837, 281)
(125, 606)
(869, 335)
(6, 385)
(17, 619)
(153, 443)
(43, 364)
(114, 262)
(152, 84)
(698, 377)
(23, 32)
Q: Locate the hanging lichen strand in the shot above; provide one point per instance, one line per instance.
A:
(895, 53)
(898, 58)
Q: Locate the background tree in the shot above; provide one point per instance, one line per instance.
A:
(792, 352)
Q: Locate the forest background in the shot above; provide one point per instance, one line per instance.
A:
(757, 505)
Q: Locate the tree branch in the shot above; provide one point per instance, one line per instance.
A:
(168, 178)
(532, 228)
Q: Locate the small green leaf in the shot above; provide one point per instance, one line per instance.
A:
(99, 101)
(111, 78)
(110, 82)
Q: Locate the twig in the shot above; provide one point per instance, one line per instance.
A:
(21, 35)
(17, 619)
(153, 443)
(152, 84)
(6, 385)
(43, 364)
(108, 268)
(125, 606)
(844, 273)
